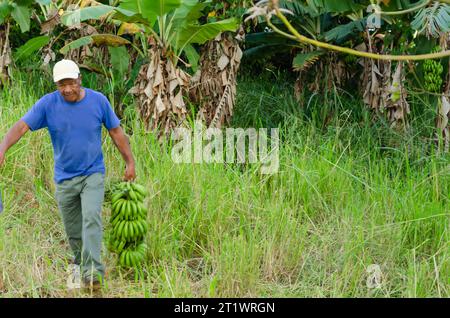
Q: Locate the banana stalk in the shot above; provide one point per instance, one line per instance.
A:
(295, 35)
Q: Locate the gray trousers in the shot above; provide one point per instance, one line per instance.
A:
(80, 202)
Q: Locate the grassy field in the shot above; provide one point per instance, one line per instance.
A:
(348, 194)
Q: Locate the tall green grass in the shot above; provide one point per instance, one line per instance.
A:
(349, 193)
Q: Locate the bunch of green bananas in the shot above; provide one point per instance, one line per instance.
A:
(433, 74)
(128, 221)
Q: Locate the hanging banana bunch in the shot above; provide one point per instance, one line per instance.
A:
(433, 74)
(129, 226)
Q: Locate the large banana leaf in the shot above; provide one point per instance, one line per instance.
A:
(70, 18)
(341, 32)
(30, 47)
(97, 39)
(132, 17)
(192, 56)
(19, 10)
(335, 6)
(150, 9)
(201, 33)
(5, 10)
(189, 11)
(22, 15)
(298, 8)
(435, 20)
(24, 3)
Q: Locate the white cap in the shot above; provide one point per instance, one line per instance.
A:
(65, 69)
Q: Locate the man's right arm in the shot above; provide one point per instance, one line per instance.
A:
(13, 136)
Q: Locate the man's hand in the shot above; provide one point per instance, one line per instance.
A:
(122, 143)
(130, 173)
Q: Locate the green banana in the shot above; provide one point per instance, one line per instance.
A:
(131, 230)
(138, 228)
(144, 225)
(118, 205)
(125, 210)
(121, 206)
(132, 195)
(113, 205)
(122, 258)
(126, 230)
(134, 210)
(115, 228)
(120, 228)
(116, 197)
(142, 210)
(128, 213)
(141, 228)
(121, 246)
(112, 218)
(139, 197)
(115, 220)
(139, 188)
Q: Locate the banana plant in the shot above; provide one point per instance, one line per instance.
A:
(171, 28)
(16, 12)
(174, 24)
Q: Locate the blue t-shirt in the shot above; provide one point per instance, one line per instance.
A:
(75, 130)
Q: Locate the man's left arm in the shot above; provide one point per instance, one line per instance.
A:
(122, 143)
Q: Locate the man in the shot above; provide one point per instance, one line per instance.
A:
(74, 116)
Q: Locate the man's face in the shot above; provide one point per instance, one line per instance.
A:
(70, 89)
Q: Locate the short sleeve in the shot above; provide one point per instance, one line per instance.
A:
(110, 119)
(36, 117)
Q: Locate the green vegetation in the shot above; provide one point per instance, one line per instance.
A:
(349, 193)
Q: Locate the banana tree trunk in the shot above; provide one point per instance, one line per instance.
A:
(395, 99)
(384, 91)
(5, 54)
(443, 113)
(213, 87)
(159, 90)
(329, 72)
(442, 123)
